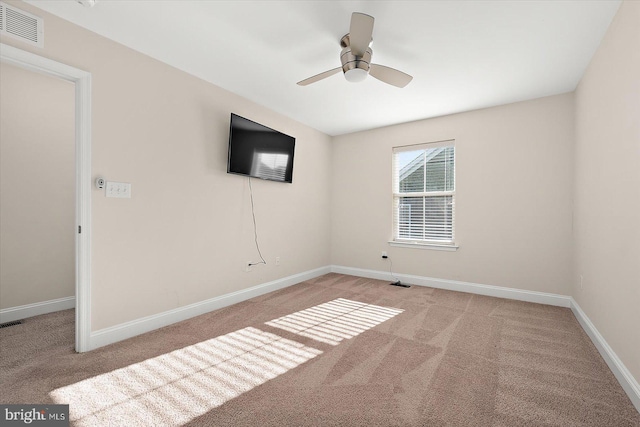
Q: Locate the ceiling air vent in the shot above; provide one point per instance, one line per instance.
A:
(21, 25)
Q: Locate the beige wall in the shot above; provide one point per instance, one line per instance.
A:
(187, 232)
(513, 196)
(37, 188)
(607, 188)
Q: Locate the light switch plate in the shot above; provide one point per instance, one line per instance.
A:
(119, 189)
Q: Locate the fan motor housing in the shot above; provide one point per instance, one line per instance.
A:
(350, 60)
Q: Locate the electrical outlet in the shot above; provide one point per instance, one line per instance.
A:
(247, 266)
(384, 254)
(277, 260)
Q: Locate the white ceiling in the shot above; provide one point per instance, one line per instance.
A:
(463, 55)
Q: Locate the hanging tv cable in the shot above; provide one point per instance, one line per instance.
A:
(255, 228)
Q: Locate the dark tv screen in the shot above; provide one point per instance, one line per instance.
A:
(260, 152)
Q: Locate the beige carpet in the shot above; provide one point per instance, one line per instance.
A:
(336, 350)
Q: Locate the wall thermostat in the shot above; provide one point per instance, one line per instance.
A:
(99, 183)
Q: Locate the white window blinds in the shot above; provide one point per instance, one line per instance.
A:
(424, 193)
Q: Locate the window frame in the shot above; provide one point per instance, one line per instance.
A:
(396, 196)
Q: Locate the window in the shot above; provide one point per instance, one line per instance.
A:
(424, 193)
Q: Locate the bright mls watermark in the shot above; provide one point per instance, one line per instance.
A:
(35, 415)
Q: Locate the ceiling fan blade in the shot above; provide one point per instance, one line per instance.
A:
(318, 77)
(360, 32)
(390, 75)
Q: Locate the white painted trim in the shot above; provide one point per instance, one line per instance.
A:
(416, 245)
(622, 374)
(82, 81)
(146, 324)
(454, 285)
(36, 309)
(625, 378)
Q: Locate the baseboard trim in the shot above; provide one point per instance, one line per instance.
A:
(130, 329)
(133, 328)
(454, 285)
(622, 374)
(36, 309)
(625, 378)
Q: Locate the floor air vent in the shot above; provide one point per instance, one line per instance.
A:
(21, 25)
(15, 322)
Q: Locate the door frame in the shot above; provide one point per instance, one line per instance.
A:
(82, 81)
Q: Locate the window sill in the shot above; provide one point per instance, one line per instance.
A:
(432, 246)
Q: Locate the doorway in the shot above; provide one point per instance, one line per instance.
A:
(37, 196)
(80, 180)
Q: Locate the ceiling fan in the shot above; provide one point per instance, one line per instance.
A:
(356, 57)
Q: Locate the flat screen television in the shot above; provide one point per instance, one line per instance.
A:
(260, 152)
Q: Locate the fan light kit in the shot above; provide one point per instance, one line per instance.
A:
(356, 57)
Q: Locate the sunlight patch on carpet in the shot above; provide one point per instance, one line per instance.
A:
(177, 387)
(335, 320)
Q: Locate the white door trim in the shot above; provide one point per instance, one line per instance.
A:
(82, 81)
